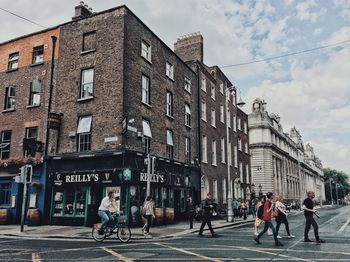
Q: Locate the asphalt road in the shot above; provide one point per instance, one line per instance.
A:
(233, 244)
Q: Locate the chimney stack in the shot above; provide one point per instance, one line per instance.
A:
(82, 10)
(190, 47)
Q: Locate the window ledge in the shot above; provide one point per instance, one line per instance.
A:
(12, 70)
(172, 79)
(205, 91)
(204, 120)
(189, 92)
(148, 105)
(148, 61)
(87, 51)
(188, 126)
(214, 165)
(8, 110)
(36, 64)
(204, 162)
(85, 99)
(32, 106)
(213, 126)
(170, 117)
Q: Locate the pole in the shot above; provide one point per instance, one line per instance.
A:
(148, 190)
(229, 191)
(336, 192)
(24, 204)
(300, 185)
(330, 190)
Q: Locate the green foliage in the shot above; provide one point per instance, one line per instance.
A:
(339, 179)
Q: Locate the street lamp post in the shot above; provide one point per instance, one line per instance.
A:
(260, 190)
(330, 190)
(336, 192)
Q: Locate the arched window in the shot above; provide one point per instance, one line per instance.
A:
(204, 187)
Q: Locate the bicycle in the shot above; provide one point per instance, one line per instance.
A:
(118, 226)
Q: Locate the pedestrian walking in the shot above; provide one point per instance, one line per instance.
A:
(259, 217)
(268, 207)
(308, 207)
(148, 214)
(281, 216)
(244, 209)
(190, 210)
(207, 210)
(235, 206)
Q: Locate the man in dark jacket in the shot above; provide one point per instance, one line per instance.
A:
(190, 210)
(207, 210)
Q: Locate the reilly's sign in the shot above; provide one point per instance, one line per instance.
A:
(68, 178)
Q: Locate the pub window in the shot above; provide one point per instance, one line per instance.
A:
(34, 95)
(38, 54)
(87, 83)
(147, 135)
(84, 133)
(5, 194)
(10, 98)
(146, 50)
(13, 61)
(70, 202)
(169, 144)
(146, 96)
(5, 144)
(187, 115)
(31, 134)
(89, 41)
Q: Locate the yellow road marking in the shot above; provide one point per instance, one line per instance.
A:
(35, 257)
(117, 255)
(189, 252)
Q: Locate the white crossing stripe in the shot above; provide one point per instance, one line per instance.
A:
(189, 252)
(117, 255)
(35, 257)
(344, 226)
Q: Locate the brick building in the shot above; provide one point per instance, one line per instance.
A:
(25, 71)
(121, 98)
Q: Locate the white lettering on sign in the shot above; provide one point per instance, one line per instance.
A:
(155, 178)
(81, 178)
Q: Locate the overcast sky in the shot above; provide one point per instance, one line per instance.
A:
(310, 91)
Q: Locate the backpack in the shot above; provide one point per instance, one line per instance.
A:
(260, 213)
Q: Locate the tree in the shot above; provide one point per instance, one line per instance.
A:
(339, 179)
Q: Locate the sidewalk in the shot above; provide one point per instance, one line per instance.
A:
(80, 232)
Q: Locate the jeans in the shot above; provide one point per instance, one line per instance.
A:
(106, 217)
(206, 220)
(311, 221)
(282, 220)
(147, 226)
(268, 224)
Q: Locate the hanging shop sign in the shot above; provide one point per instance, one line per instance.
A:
(55, 120)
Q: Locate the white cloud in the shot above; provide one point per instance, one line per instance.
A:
(317, 31)
(305, 11)
(343, 6)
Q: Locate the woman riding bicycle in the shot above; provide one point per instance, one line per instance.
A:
(103, 211)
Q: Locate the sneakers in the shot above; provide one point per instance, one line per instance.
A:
(308, 240)
(278, 236)
(278, 244)
(320, 241)
(257, 241)
(291, 236)
(256, 234)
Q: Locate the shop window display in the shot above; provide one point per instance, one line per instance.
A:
(70, 202)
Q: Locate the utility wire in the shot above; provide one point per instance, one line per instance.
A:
(285, 55)
(30, 21)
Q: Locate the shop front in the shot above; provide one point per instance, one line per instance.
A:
(78, 184)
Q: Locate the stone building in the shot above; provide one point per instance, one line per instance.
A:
(25, 72)
(279, 161)
(124, 96)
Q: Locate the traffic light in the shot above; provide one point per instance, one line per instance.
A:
(29, 173)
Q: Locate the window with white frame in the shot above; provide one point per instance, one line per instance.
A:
(5, 144)
(187, 150)
(239, 123)
(169, 70)
(234, 123)
(213, 153)
(239, 144)
(224, 193)
(84, 133)
(241, 171)
(247, 174)
(13, 61)
(146, 135)
(212, 92)
(170, 144)
(146, 50)
(246, 148)
(146, 90)
(229, 154)
(10, 98)
(204, 84)
(234, 98)
(235, 152)
(222, 88)
(215, 189)
(34, 94)
(169, 103)
(212, 117)
(187, 115)
(87, 83)
(204, 150)
(188, 84)
(204, 111)
(38, 55)
(228, 118)
(31, 134)
(223, 158)
(222, 114)
(245, 127)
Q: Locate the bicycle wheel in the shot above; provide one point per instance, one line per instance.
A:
(124, 233)
(95, 234)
